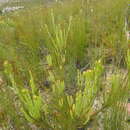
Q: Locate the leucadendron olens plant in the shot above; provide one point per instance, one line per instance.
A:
(64, 111)
(30, 99)
(71, 111)
(76, 110)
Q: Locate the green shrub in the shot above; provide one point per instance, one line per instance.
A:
(62, 43)
(75, 109)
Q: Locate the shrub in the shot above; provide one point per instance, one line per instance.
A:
(62, 44)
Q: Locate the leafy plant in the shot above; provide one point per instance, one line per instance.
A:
(56, 43)
(31, 100)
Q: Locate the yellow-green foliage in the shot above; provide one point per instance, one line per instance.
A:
(31, 100)
(54, 42)
(64, 111)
